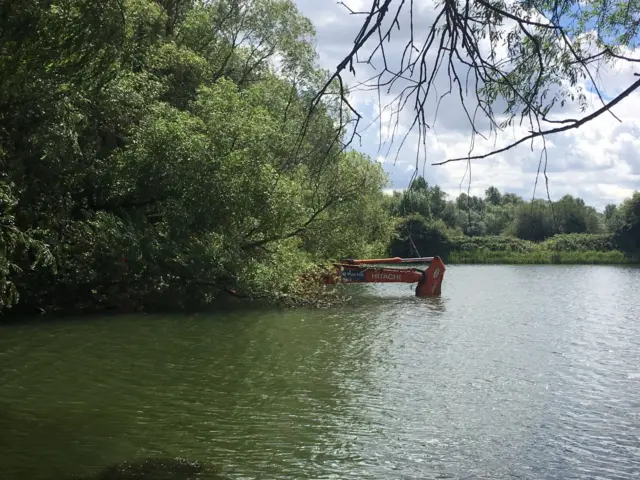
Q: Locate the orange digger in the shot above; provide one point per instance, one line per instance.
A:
(429, 281)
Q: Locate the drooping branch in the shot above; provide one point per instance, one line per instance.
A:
(529, 59)
(540, 133)
(374, 19)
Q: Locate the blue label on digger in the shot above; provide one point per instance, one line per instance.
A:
(353, 275)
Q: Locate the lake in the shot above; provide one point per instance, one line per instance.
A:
(515, 372)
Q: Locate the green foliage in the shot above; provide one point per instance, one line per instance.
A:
(538, 257)
(493, 196)
(417, 236)
(493, 244)
(499, 218)
(574, 242)
(613, 220)
(20, 251)
(564, 248)
(627, 236)
(151, 154)
(534, 222)
(550, 46)
(504, 228)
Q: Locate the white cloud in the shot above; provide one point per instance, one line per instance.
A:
(599, 162)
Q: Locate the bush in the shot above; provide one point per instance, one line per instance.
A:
(580, 242)
(493, 243)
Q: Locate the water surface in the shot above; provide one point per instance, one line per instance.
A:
(515, 372)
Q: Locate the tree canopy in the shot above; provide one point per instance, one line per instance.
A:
(151, 155)
(437, 223)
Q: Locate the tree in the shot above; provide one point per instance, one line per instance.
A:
(419, 184)
(438, 202)
(498, 218)
(511, 199)
(613, 218)
(463, 202)
(628, 235)
(571, 215)
(550, 48)
(493, 196)
(416, 199)
(151, 155)
(473, 203)
(534, 222)
(450, 215)
(418, 236)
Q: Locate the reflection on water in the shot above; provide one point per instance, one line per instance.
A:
(528, 372)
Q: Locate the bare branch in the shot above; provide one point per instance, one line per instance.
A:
(544, 58)
(542, 133)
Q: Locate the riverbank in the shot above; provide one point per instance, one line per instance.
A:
(567, 249)
(540, 257)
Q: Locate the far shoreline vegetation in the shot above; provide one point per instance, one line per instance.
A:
(150, 159)
(505, 229)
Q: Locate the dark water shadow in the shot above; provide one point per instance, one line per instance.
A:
(40, 433)
(158, 468)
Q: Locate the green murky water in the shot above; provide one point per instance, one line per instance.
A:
(525, 372)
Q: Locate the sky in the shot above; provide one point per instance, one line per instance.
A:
(599, 162)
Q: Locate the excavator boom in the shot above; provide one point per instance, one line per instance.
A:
(358, 271)
(392, 260)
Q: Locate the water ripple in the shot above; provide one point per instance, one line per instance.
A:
(516, 372)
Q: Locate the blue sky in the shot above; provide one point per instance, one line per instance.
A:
(599, 162)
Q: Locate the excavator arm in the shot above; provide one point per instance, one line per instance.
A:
(429, 281)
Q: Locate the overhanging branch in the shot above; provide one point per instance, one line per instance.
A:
(547, 58)
(634, 86)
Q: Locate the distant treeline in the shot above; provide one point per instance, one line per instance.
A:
(505, 228)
